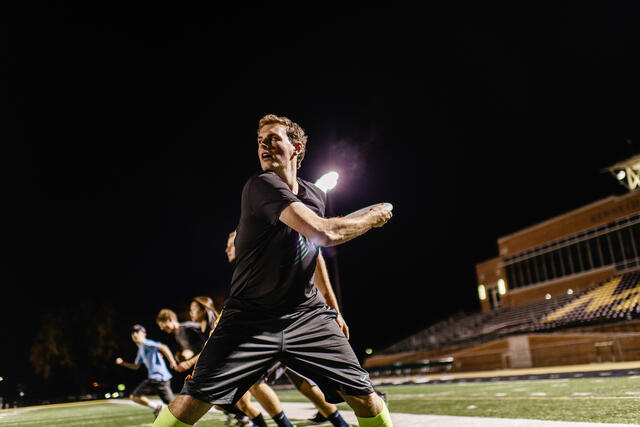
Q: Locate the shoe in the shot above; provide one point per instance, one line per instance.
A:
(243, 421)
(318, 418)
(230, 419)
(157, 411)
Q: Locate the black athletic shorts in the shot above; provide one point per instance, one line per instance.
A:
(245, 345)
(150, 387)
(275, 374)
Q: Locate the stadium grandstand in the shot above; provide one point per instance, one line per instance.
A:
(564, 291)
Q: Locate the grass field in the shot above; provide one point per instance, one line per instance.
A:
(604, 400)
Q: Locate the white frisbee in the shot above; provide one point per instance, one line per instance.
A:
(359, 212)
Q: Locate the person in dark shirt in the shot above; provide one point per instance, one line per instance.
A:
(274, 312)
(187, 334)
(326, 411)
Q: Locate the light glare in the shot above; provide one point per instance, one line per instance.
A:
(328, 181)
(482, 292)
(502, 287)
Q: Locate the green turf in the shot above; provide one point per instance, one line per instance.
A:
(107, 414)
(605, 400)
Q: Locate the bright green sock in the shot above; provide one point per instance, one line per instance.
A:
(383, 419)
(166, 419)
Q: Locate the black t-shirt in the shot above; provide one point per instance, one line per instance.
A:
(190, 337)
(274, 263)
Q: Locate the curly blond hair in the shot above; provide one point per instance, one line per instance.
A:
(295, 133)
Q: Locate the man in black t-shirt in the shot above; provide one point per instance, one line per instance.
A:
(274, 312)
(188, 335)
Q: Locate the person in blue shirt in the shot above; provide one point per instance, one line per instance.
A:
(150, 353)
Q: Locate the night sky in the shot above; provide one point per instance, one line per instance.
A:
(128, 147)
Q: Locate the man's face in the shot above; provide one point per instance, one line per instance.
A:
(275, 150)
(231, 247)
(138, 337)
(166, 326)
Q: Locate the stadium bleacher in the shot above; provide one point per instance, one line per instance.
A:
(612, 301)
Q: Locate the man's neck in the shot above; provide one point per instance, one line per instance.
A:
(289, 175)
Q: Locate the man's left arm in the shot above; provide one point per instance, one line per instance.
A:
(321, 278)
(167, 353)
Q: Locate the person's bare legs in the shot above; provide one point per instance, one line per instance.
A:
(142, 400)
(369, 405)
(267, 398)
(315, 395)
(188, 409)
(245, 405)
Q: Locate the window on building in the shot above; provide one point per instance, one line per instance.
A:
(566, 260)
(585, 255)
(519, 273)
(535, 274)
(634, 230)
(558, 263)
(605, 246)
(628, 249)
(616, 246)
(575, 258)
(526, 275)
(550, 267)
(542, 268)
(596, 252)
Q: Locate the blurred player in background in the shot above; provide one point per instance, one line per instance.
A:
(188, 335)
(158, 376)
(203, 311)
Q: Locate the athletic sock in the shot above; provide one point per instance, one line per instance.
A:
(337, 420)
(282, 420)
(383, 419)
(166, 419)
(259, 421)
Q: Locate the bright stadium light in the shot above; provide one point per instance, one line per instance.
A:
(369, 351)
(107, 396)
(1, 378)
(627, 172)
(547, 296)
(116, 394)
(328, 181)
(121, 387)
(482, 292)
(502, 287)
(569, 291)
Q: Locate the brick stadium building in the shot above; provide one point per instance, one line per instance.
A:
(564, 291)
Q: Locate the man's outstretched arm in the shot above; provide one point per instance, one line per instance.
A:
(332, 231)
(133, 366)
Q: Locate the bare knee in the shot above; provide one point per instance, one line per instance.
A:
(247, 408)
(188, 409)
(369, 405)
(315, 395)
(267, 398)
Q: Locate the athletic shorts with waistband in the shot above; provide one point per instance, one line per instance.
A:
(245, 345)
